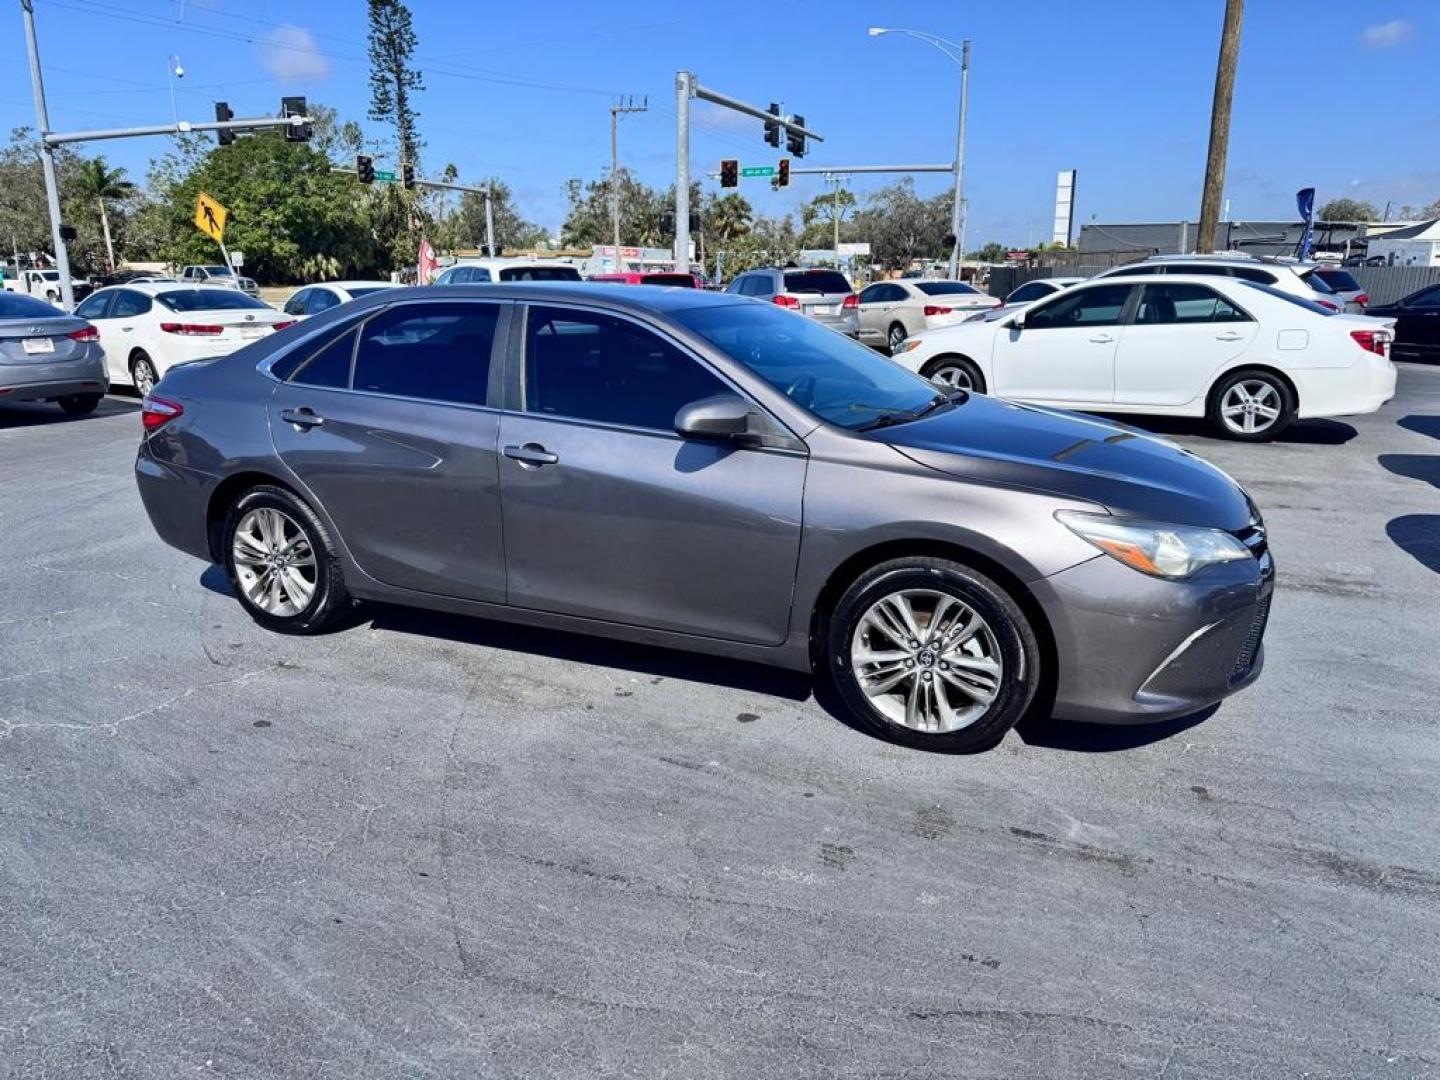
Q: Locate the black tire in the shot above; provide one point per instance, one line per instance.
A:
(963, 373)
(79, 404)
(142, 366)
(1277, 390)
(329, 599)
(894, 336)
(1012, 635)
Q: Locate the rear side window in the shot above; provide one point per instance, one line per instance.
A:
(1429, 298)
(1099, 305)
(329, 367)
(1338, 280)
(438, 352)
(539, 273)
(129, 304)
(296, 304)
(590, 366)
(816, 282)
(1137, 268)
(1031, 290)
(1178, 303)
(1289, 298)
(1249, 273)
(321, 300)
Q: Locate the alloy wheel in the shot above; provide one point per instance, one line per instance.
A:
(144, 375)
(897, 337)
(952, 377)
(1251, 406)
(274, 562)
(926, 660)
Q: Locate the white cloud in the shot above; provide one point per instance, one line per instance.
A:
(1387, 35)
(290, 54)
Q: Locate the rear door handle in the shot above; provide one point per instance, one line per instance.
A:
(531, 454)
(1102, 339)
(1229, 337)
(302, 418)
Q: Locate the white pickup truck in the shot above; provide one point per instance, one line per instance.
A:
(221, 277)
(43, 284)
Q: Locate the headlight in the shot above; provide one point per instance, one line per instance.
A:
(1167, 551)
(909, 345)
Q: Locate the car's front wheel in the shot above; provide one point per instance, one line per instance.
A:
(955, 373)
(896, 337)
(930, 653)
(282, 562)
(1252, 406)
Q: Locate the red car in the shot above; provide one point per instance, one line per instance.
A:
(658, 277)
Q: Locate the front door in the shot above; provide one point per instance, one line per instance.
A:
(388, 425)
(1065, 352)
(609, 514)
(1181, 337)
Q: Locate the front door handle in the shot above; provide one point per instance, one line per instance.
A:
(1102, 339)
(531, 454)
(1229, 337)
(302, 418)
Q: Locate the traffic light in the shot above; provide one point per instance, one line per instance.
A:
(729, 172)
(296, 106)
(222, 114)
(794, 141)
(772, 129)
(407, 175)
(782, 173)
(365, 168)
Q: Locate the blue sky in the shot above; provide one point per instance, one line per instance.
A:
(1332, 94)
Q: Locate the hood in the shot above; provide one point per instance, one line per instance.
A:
(1127, 471)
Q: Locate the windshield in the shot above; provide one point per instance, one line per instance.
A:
(207, 300)
(816, 282)
(684, 280)
(946, 288)
(1338, 280)
(837, 379)
(1270, 290)
(539, 273)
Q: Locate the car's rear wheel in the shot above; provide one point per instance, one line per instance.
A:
(142, 371)
(930, 653)
(1252, 406)
(282, 562)
(896, 337)
(79, 404)
(955, 373)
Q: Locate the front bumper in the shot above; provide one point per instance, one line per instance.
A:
(1134, 649)
(50, 379)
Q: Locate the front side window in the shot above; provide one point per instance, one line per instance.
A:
(873, 294)
(93, 307)
(590, 366)
(1178, 303)
(833, 376)
(321, 300)
(296, 304)
(438, 352)
(1100, 305)
(1031, 290)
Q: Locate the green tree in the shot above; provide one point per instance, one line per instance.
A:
(97, 181)
(24, 224)
(993, 252)
(392, 79)
(642, 212)
(466, 228)
(901, 227)
(819, 215)
(1348, 210)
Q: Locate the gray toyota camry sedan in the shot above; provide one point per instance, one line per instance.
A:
(712, 473)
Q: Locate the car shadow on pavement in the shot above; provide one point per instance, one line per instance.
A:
(1305, 432)
(1418, 535)
(1424, 425)
(1054, 733)
(1424, 467)
(40, 413)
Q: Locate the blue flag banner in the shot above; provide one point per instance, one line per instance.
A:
(1305, 202)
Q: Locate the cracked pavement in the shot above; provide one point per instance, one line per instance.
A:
(426, 846)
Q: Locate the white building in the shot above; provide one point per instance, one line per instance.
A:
(1414, 245)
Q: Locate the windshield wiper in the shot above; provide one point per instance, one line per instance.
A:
(904, 416)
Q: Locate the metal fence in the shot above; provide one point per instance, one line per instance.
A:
(1383, 284)
(1386, 284)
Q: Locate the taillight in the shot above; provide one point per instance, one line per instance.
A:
(1375, 341)
(851, 301)
(191, 329)
(936, 309)
(156, 412)
(87, 333)
(787, 301)
(1328, 304)
(1363, 299)
(282, 325)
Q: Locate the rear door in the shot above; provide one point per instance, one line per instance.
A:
(876, 303)
(388, 424)
(1065, 352)
(609, 514)
(1181, 336)
(123, 330)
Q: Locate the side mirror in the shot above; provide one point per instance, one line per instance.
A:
(723, 416)
(1017, 321)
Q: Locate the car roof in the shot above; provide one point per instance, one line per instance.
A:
(501, 261)
(640, 299)
(153, 288)
(350, 285)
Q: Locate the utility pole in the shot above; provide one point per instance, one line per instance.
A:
(1219, 127)
(490, 219)
(47, 159)
(620, 108)
(957, 210)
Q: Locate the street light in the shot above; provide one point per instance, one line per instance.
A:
(950, 49)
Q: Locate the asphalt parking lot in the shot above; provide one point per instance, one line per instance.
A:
(426, 846)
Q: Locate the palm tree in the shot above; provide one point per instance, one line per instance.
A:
(100, 182)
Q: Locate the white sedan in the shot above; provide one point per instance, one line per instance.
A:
(147, 329)
(313, 299)
(890, 311)
(1248, 357)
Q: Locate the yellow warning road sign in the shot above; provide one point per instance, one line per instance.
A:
(210, 217)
